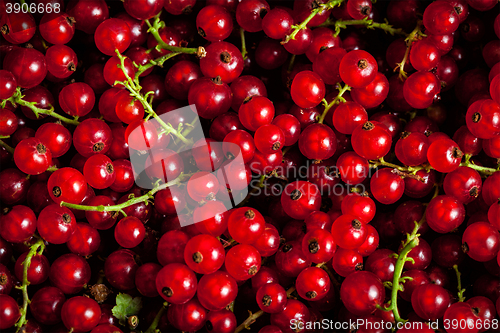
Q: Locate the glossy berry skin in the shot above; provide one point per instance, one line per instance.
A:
(277, 23)
(483, 119)
(318, 142)
(430, 301)
(269, 138)
(308, 89)
(129, 232)
(246, 225)
(360, 206)
(128, 109)
(255, 112)
(424, 55)
(57, 28)
(14, 186)
(481, 241)
(211, 97)
(242, 261)
(358, 68)
(358, 9)
(269, 243)
(120, 268)
(92, 136)
(99, 171)
(411, 148)
(141, 135)
(381, 263)
(239, 142)
(353, 168)
(142, 10)
(8, 84)
(420, 89)
(312, 283)
(32, 156)
(290, 259)
(188, 317)
(223, 321)
(444, 155)
(318, 246)
(112, 73)
(27, 65)
(101, 220)
(61, 61)
(347, 116)
(214, 23)
(18, 28)
(18, 224)
(294, 312)
(371, 242)
(387, 186)
(249, 14)
(464, 184)
(38, 271)
(361, 292)
(80, 314)
(300, 198)
(216, 290)
(444, 213)
(447, 250)
(371, 140)
(204, 254)
(180, 77)
(145, 279)
(68, 185)
(85, 240)
(55, 137)
(112, 34)
(56, 224)
(176, 283)
(271, 298)
(348, 232)
(46, 305)
(10, 312)
(494, 215)
(70, 273)
(290, 127)
(373, 94)
(462, 312)
(224, 60)
(440, 18)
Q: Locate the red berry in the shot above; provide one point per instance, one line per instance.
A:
(176, 283)
(358, 68)
(308, 89)
(32, 156)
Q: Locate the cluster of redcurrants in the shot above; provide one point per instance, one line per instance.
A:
(408, 149)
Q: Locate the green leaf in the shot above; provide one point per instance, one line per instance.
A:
(126, 306)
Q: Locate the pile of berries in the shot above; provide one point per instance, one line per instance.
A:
(335, 166)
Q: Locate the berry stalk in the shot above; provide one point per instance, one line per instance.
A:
(134, 89)
(461, 297)
(411, 242)
(321, 7)
(158, 24)
(36, 248)
(243, 44)
(369, 24)
(132, 201)
(337, 100)
(7, 147)
(154, 324)
(416, 34)
(17, 99)
(156, 62)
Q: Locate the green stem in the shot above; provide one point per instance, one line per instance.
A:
(484, 170)
(156, 321)
(157, 25)
(413, 36)
(156, 62)
(17, 99)
(411, 242)
(321, 7)
(243, 44)
(36, 248)
(7, 147)
(336, 100)
(369, 24)
(134, 90)
(130, 202)
(461, 297)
